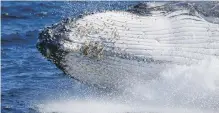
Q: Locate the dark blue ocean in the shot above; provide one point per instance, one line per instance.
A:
(28, 79)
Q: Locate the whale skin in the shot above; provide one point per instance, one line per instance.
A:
(113, 49)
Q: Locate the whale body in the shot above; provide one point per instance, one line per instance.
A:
(113, 49)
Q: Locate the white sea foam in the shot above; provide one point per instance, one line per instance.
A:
(109, 107)
(194, 86)
(181, 89)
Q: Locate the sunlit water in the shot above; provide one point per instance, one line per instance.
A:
(32, 84)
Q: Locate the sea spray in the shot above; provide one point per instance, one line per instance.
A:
(181, 89)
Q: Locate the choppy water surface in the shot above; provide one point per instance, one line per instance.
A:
(30, 83)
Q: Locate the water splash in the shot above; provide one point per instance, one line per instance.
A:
(193, 86)
(181, 89)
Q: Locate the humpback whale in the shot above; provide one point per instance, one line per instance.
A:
(113, 49)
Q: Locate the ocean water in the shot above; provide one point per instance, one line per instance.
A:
(31, 84)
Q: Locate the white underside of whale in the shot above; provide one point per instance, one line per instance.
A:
(123, 39)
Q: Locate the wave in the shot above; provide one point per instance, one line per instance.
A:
(19, 38)
(7, 16)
